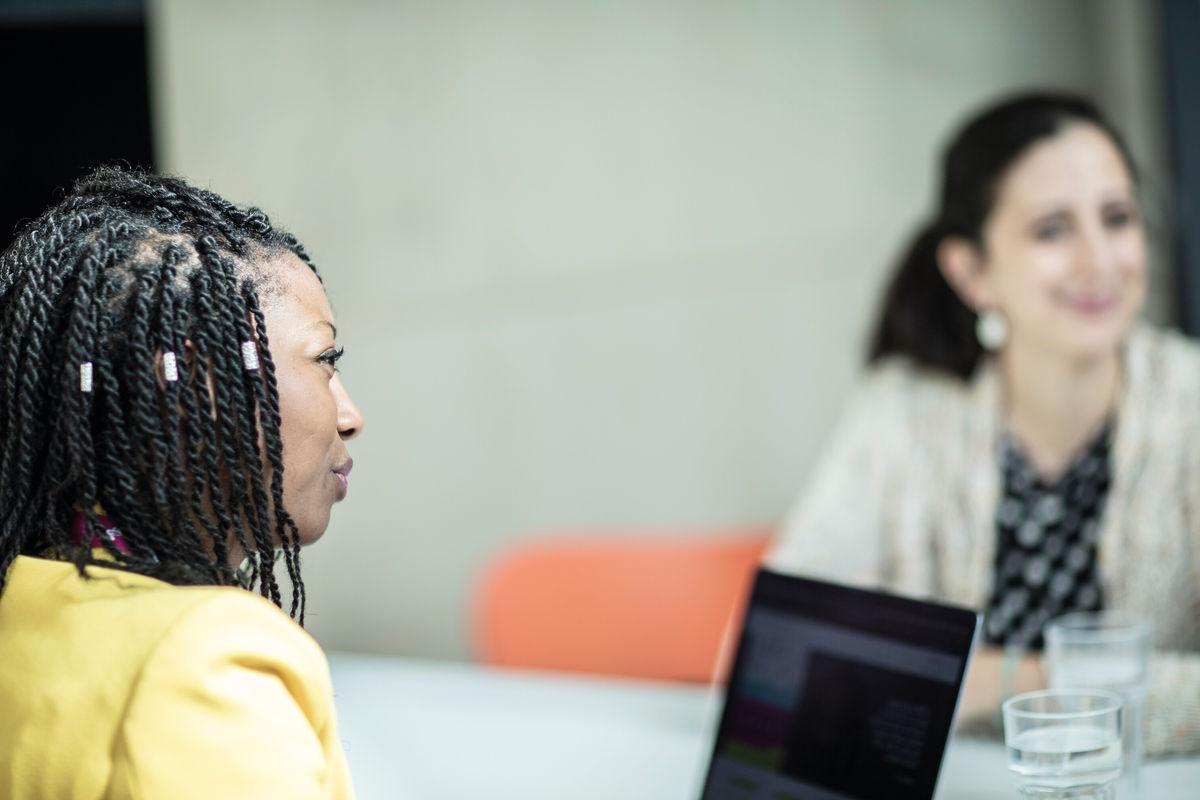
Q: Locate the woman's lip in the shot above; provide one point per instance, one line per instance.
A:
(1093, 304)
(342, 473)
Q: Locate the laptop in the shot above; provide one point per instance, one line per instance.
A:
(838, 693)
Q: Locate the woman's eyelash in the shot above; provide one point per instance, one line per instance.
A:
(1049, 231)
(331, 357)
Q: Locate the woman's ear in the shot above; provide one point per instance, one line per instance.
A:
(961, 264)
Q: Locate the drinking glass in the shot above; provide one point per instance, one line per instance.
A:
(1064, 743)
(1105, 650)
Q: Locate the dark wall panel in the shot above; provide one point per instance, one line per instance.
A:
(74, 91)
(1181, 50)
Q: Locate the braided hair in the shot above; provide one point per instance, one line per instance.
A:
(128, 270)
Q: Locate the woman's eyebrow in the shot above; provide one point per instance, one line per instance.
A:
(332, 327)
(1049, 214)
(1119, 196)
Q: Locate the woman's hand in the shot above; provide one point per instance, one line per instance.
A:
(985, 681)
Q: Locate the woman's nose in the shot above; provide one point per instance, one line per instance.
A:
(350, 419)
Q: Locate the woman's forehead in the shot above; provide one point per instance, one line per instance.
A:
(301, 299)
(1080, 160)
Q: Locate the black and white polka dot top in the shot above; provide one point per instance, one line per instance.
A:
(1047, 534)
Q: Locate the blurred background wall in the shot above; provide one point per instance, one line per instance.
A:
(596, 263)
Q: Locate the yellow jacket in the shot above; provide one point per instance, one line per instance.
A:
(124, 687)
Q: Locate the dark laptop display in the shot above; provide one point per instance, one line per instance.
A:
(838, 693)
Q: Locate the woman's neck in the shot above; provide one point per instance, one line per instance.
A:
(1055, 406)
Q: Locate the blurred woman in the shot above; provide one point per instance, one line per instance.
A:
(1020, 444)
(172, 420)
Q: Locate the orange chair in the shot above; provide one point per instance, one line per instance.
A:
(619, 603)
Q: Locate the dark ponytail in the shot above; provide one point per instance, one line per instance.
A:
(923, 318)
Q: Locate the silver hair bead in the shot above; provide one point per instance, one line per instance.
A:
(250, 354)
(170, 367)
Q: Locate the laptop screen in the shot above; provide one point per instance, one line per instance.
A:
(838, 693)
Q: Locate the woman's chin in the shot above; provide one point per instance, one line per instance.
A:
(310, 536)
(311, 528)
(1095, 343)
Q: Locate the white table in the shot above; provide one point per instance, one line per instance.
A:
(426, 730)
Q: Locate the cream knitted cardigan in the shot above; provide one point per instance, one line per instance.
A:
(905, 499)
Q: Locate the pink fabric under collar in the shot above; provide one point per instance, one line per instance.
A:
(111, 531)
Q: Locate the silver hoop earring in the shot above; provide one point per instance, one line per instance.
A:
(991, 329)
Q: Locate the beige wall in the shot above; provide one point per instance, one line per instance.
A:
(595, 262)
